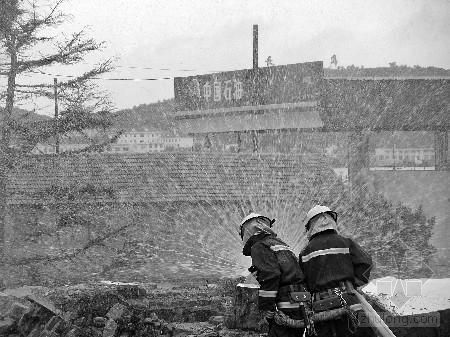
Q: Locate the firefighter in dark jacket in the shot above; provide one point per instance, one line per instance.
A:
(276, 269)
(331, 264)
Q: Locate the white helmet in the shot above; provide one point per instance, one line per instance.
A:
(250, 217)
(316, 210)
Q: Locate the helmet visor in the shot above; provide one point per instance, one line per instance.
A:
(248, 226)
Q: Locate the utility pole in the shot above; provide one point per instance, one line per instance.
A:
(255, 46)
(55, 84)
(255, 67)
(239, 142)
(393, 155)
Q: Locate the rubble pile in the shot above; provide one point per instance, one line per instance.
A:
(111, 309)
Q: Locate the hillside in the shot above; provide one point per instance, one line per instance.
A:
(152, 116)
(27, 116)
(392, 71)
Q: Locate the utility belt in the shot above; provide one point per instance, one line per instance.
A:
(292, 295)
(333, 298)
(326, 305)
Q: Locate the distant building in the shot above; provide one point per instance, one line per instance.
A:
(138, 140)
(404, 156)
(133, 141)
(174, 142)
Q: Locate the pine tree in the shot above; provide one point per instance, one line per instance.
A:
(26, 31)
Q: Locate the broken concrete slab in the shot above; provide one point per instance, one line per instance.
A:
(245, 313)
(17, 310)
(128, 290)
(44, 303)
(412, 307)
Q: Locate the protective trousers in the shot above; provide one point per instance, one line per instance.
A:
(340, 328)
(276, 330)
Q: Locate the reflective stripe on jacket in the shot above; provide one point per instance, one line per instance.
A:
(330, 258)
(276, 266)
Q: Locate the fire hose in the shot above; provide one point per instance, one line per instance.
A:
(281, 318)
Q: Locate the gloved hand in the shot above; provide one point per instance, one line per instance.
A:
(267, 316)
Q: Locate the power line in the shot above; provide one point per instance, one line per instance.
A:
(151, 68)
(105, 79)
(205, 71)
(165, 69)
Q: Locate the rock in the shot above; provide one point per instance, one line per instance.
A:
(5, 303)
(216, 319)
(131, 290)
(74, 332)
(80, 322)
(6, 326)
(70, 316)
(17, 310)
(151, 286)
(138, 302)
(209, 334)
(110, 328)
(100, 322)
(35, 332)
(116, 311)
(53, 327)
(96, 332)
(148, 321)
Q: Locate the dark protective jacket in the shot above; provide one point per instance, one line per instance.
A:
(330, 258)
(276, 268)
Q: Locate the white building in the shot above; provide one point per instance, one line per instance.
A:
(173, 142)
(138, 140)
(404, 156)
(134, 141)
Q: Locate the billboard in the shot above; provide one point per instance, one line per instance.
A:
(293, 83)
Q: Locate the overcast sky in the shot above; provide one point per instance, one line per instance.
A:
(213, 35)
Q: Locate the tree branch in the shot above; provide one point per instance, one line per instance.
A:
(99, 241)
(70, 52)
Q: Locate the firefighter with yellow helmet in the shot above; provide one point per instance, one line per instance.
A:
(276, 269)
